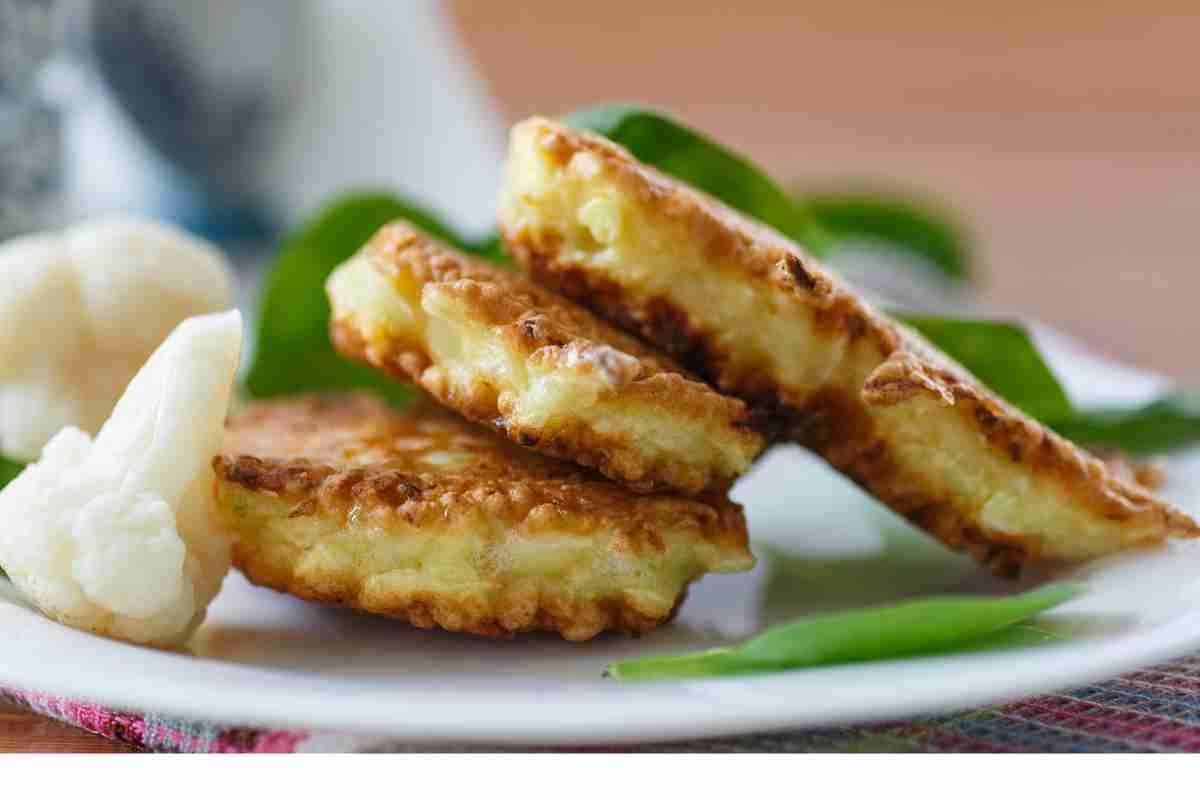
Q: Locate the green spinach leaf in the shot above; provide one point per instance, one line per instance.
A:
(655, 138)
(1167, 423)
(666, 144)
(293, 353)
(1003, 356)
(9, 469)
(294, 312)
(919, 627)
(898, 222)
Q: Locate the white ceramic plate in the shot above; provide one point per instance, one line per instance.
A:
(267, 659)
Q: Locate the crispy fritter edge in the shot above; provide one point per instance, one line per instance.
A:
(833, 423)
(292, 488)
(429, 610)
(613, 456)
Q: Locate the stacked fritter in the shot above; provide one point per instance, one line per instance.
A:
(422, 515)
(580, 487)
(608, 497)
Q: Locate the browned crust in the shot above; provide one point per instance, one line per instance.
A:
(349, 460)
(834, 421)
(518, 612)
(1149, 475)
(1086, 479)
(334, 453)
(551, 331)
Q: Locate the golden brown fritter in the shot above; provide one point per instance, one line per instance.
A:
(550, 375)
(421, 515)
(750, 311)
(1150, 475)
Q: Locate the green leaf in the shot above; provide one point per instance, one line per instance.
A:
(901, 223)
(1169, 422)
(655, 138)
(293, 352)
(294, 312)
(920, 627)
(1003, 356)
(669, 145)
(8, 470)
(491, 247)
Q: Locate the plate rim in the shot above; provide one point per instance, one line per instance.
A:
(248, 695)
(139, 679)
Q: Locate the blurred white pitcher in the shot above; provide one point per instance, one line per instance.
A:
(230, 106)
(386, 98)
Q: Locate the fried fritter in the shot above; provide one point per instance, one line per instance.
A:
(502, 351)
(750, 311)
(421, 515)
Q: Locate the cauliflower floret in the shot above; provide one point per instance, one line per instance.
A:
(81, 310)
(116, 535)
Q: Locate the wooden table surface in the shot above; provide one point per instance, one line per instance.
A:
(23, 732)
(1067, 138)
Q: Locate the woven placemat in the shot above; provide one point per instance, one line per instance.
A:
(1151, 710)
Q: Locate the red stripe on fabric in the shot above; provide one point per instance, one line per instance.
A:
(117, 726)
(253, 740)
(939, 735)
(1183, 683)
(1123, 725)
(279, 742)
(962, 743)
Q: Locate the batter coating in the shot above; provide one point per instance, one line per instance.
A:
(504, 352)
(751, 312)
(420, 515)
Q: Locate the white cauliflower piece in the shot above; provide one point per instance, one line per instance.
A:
(117, 535)
(81, 310)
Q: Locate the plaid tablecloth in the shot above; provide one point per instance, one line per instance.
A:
(1156, 710)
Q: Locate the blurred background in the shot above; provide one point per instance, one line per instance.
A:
(1063, 142)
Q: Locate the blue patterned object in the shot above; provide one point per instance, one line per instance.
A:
(30, 130)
